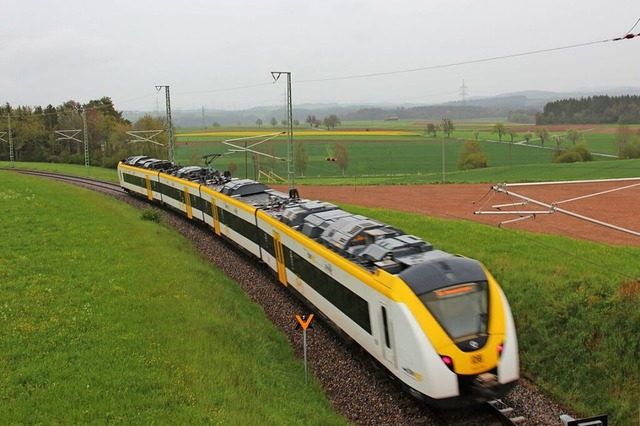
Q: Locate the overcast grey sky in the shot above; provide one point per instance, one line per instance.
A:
(209, 51)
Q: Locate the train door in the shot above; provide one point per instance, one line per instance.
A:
(386, 331)
(149, 190)
(187, 200)
(214, 214)
(282, 273)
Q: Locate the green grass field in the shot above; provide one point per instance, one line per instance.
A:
(394, 152)
(101, 321)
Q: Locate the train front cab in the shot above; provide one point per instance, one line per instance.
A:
(468, 356)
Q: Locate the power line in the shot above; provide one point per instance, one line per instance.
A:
(456, 64)
(250, 86)
(634, 25)
(627, 36)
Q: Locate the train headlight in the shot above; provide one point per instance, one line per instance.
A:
(447, 361)
(500, 348)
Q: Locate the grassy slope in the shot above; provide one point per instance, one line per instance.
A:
(102, 320)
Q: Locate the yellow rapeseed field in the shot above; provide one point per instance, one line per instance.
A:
(346, 133)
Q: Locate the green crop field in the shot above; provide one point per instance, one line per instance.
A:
(388, 152)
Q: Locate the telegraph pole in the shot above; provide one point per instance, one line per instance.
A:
(169, 122)
(290, 154)
(11, 158)
(9, 141)
(444, 174)
(86, 139)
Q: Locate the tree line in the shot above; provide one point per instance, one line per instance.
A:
(592, 110)
(57, 134)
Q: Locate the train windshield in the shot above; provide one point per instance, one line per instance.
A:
(460, 309)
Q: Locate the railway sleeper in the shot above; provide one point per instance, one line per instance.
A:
(504, 413)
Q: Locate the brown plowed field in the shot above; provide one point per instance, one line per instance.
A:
(620, 208)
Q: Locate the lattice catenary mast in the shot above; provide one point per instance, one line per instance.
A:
(170, 144)
(290, 157)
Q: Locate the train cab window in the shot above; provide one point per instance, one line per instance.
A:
(462, 309)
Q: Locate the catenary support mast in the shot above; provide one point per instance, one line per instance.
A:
(170, 144)
(290, 154)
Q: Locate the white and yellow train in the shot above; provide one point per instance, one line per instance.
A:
(439, 323)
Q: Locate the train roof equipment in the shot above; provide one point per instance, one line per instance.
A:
(362, 240)
(365, 241)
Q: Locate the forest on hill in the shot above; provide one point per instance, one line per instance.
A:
(592, 110)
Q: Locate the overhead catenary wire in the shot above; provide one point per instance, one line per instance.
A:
(628, 35)
(452, 64)
(634, 25)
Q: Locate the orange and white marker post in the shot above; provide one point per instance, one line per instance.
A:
(304, 322)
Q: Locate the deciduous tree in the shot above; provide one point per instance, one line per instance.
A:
(311, 119)
(471, 156)
(574, 136)
(447, 127)
(342, 157)
(543, 134)
(331, 121)
(433, 129)
(300, 159)
(500, 130)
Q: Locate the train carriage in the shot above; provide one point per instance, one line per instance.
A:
(439, 323)
(141, 182)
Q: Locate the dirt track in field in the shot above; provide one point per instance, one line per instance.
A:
(453, 201)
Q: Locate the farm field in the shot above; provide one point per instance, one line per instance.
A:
(460, 201)
(383, 153)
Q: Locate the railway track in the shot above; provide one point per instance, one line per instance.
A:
(495, 413)
(104, 186)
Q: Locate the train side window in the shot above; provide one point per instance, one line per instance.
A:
(387, 341)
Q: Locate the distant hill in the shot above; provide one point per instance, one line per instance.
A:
(494, 106)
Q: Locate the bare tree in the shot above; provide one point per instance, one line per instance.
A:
(500, 130)
(342, 157)
(433, 129)
(301, 159)
(543, 134)
(574, 136)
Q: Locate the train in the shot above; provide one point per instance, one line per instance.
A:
(438, 323)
